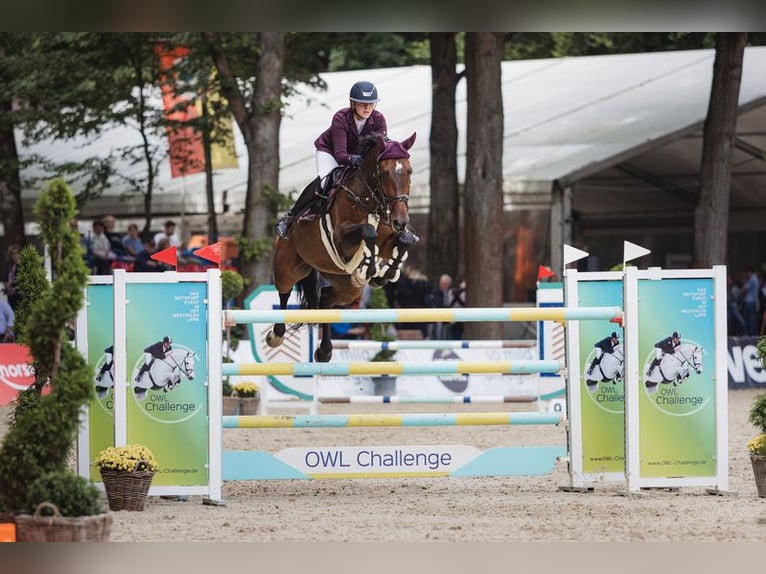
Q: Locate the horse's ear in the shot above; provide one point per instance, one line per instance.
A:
(407, 144)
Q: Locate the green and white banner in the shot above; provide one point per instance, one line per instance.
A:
(597, 389)
(677, 378)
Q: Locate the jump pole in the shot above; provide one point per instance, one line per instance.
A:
(465, 314)
(392, 420)
(428, 399)
(391, 368)
(429, 344)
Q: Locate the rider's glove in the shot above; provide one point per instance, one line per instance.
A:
(355, 160)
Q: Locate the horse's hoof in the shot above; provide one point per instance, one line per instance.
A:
(322, 357)
(272, 340)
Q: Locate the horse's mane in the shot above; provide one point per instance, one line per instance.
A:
(370, 141)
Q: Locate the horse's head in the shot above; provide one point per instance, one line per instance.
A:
(391, 173)
(188, 365)
(697, 359)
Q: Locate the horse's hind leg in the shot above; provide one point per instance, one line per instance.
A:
(276, 335)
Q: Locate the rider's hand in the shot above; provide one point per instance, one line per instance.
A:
(355, 160)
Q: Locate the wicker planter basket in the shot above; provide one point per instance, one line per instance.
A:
(230, 406)
(249, 405)
(759, 470)
(127, 490)
(40, 527)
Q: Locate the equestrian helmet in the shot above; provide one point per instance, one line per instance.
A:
(676, 335)
(166, 340)
(365, 92)
(614, 334)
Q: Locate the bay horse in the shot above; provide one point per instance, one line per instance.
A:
(362, 237)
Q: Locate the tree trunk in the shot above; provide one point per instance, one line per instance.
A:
(11, 214)
(260, 129)
(484, 179)
(711, 217)
(263, 152)
(443, 254)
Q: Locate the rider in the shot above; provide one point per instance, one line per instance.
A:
(605, 345)
(156, 350)
(339, 145)
(666, 346)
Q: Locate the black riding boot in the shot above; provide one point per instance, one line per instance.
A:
(141, 371)
(307, 197)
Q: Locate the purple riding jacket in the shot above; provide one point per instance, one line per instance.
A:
(341, 139)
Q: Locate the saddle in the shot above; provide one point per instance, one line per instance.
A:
(327, 194)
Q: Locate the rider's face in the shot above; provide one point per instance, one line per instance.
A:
(363, 110)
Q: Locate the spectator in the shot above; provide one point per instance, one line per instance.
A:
(115, 239)
(750, 291)
(411, 292)
(6, 322)
(11, 289)
(132, 243)
(736, 324)
(458, 300)
(169, 233)
(442, 297)
(101, 250)
(144, 261)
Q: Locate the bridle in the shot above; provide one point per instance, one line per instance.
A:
(182, 366)
(382, 205)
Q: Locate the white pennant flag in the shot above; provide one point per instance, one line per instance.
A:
(632, 251)
(572, 254)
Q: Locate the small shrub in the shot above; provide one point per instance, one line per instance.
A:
(73, 495)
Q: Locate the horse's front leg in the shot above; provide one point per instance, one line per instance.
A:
(404, 241)
(276, 335)
(350, 237)
(323, 352)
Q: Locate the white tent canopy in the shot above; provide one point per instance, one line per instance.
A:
(603, 124)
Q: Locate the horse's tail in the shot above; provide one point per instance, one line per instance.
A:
(308, 290)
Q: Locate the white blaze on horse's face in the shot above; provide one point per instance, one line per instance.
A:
(398, 167)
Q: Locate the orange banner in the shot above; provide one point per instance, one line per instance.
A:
(186, 152)
(15, 371)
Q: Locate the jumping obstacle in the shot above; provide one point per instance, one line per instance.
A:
(464, 314)
(385, 461)
(428, 399)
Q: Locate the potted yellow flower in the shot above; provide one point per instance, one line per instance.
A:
(757, 446)
(249, 394)
(127, 472)
(757, 416)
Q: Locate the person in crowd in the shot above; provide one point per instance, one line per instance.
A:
(605, 345)
(441, 297)
(458, 301)
(750, 289)
(168, 232)
(144, 262)
(101, 250)
(11, 286)
(131, 243)
(339, 145)
(412, 290)
(6, 322)
(115, 238)
(736, 324)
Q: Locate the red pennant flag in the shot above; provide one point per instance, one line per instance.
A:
(210, 252)
(169, 256)
(544, 272)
